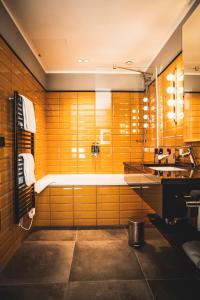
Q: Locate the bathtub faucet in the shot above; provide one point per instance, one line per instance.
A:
(95, 149)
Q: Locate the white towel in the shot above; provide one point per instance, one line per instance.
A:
(29, 115)
(28, 168)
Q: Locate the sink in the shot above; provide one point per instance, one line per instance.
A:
(167, 168)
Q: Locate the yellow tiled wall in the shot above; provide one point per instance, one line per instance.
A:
(88, 205)
(74, 122)
(15, 77)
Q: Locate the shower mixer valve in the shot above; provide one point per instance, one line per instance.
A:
(95, 149)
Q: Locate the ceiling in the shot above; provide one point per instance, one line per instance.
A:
(105, 32)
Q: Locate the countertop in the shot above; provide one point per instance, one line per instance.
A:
(167, 177)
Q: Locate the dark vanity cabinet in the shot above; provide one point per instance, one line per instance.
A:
(168, 199)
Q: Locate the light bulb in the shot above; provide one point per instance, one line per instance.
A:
(180, 101)
(181, 77)
(134, 130)
(145, 99)
(181, 115)
(170, 77)
(134, 117)
(146, 125)
(145, 117)
(171, 102)
(171, 115)
(171, 90)
(180, 89)
(134, 124)
(133, 111)
(145, 108)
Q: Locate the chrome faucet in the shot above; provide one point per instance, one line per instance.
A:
(162, 156)
(189, 153)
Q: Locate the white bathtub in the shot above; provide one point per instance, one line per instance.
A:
(79, 179)
(93, 179)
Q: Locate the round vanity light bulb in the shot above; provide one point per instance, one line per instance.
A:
(133, 111)
(180, 101)
(171, 90)
(171, 115)
(134, 130)
(145, 99)
(171, 77)
(145, 117)
(180, 89)
(181, 77)
(146, 125)
(134, 117)
(181, 115)
(134, 124)
(145, 108)
(171, 102)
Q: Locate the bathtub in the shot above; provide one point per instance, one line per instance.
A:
(79, 179)
(87, 200)
(89, 179)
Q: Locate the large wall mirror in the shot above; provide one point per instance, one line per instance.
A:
(191, 63)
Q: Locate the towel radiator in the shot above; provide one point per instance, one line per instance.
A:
(23, 141)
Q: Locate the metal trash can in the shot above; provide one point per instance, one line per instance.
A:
(135, 232)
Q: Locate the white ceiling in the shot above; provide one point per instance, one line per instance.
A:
(105, 32)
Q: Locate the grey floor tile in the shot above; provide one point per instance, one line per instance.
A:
(52, 235)
(175, 289)
(40, 262)
(54, 291)
(152, 234)
(109, 290)
(104, 260)
(102, 234)
(160, 261)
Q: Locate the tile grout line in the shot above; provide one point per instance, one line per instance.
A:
(151, 292)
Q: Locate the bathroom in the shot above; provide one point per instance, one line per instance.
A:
(99, 149)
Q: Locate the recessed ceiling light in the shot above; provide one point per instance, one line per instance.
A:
(129, 62)
(83, 60)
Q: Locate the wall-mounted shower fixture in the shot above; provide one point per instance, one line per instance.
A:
(146, 75)
(147, 79)
(95, 149)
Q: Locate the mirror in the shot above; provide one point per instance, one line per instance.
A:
(191, 63)
(191, 52)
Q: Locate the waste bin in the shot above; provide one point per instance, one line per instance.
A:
(135, 232)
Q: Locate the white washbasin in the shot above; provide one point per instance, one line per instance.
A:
(161, 168)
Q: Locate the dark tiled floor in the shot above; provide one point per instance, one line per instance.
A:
(104, 260)
(101, 235)
(109, 290)
(52, 235)
(175, 289)
(97, 264)
(51, 291)
(39, 262)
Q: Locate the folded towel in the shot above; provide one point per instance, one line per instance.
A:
(28, 168)
(29, 115)
(192, 249)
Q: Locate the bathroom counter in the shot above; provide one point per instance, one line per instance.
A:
(165, 177)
